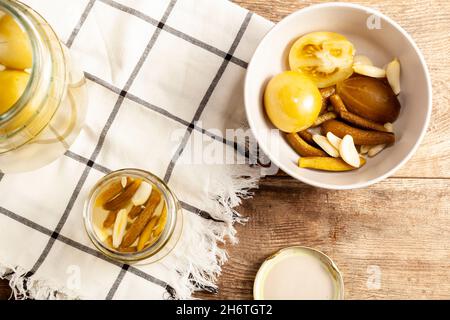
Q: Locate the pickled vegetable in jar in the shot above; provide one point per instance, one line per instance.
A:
(132, 216)
(15, 59)
(43, 98)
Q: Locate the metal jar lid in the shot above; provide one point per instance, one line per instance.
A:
(312, 255)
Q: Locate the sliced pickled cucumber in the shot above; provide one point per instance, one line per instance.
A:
(135, 211)
(302, 147)
(136, 228)
(127, 250)
(147, 233)
(360, 136)
(110, 219)
(161, 222)
(124, 197)
(327, 163)
(110, 192)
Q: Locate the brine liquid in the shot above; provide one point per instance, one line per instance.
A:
(61, 128)
(299, 276)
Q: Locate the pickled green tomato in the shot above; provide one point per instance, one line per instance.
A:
(12, 84)
(325, 57)
(292, 101)
(15, 48)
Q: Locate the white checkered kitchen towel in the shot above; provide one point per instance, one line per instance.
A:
(154, 68)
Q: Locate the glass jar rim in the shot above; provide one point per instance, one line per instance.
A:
(173, 209)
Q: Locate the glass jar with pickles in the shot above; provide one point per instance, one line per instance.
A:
(132, 216)
(43, 95)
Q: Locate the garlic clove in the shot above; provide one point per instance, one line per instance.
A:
(360, 59)
(325, 145)
(159, 208)
(370, 71)
(393, 75)
(348, 151)
(376, 150)
(142, 194)
(334, 140)
(119, 227)
(124, 182)
(364, 149)
(389, 127)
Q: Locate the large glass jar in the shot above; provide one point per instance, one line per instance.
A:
(42, 124)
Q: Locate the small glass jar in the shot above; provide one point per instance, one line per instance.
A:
(169, 236)
(49, 115)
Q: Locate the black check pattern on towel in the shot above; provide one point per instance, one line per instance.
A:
(238, 148)
(54, 235)
(175, 32)
(83, 248)
(99, 145)
(206, 97)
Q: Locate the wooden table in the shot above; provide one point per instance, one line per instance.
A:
(399, 227)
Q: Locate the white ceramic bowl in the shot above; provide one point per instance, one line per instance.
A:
(381, 45)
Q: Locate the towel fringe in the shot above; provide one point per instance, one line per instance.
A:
(25, 287)
(199, 255)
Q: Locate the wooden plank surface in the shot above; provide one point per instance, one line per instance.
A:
(400, 227)
(5, 291)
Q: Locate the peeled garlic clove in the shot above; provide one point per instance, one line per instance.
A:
(360, 59)
(393, 75)
(334, 140)
(389, 127)
(119, 227)
(376, 149)
(325, 145)
(142, 194)
(364, 149)
(370, 71)
(124, 182)
(159, 209)
(348, 151)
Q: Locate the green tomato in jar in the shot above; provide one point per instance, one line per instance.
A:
(12, 84)
(15, 47)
